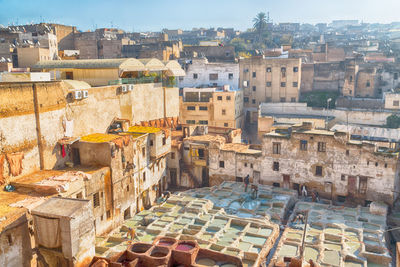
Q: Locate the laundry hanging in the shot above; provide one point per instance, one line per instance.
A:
(15, 162)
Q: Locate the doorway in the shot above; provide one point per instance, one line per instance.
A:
(256, 177)
(352, 186)
(172, 175)
(286, 181)
(205, 182)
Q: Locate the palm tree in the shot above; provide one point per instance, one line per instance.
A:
(260, 24)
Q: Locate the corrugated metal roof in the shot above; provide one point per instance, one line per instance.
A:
(152, 64)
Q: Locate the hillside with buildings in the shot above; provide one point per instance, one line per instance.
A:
(274, 146)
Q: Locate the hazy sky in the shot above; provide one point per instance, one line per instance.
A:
(155, 15)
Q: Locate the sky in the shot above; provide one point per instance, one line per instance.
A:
(154, 15)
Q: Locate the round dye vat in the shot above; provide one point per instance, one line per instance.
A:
(184, 247)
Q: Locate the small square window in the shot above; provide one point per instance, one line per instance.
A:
(269, 84)
(295, 69)
(245, 164)
(253, 101)
(254, 74)
(396, 103)
(219, 97)
(283, 84)
(246, 100)
(269, 69)
(254, 88)
(226, 124)
(228, 98)
(321, 147)
(230, 76)
(195, 76)
(224, 112)
(222, 164)
(203, 108)
(213, 76)
(343, 177)
(295, 84)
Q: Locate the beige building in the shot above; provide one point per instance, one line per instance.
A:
(269, 80)
(392, 101)
(29, 56)
(213, 107)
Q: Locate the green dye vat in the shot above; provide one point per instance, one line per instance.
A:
(146, 238)
(206, 236)
(371, 264)
(331, 257)
(310, 254)
(236, 228)
(231, 252)
(253, 230)
(265, 231)
(293, 235)
(333, 231)
(255, 249)
(353, 264)
(184, 221)
(255, 240)
(288, 251)
(353, 246)
(370, 226)
(203, 245)
(336, 247)
(219, 222)
(244, 246)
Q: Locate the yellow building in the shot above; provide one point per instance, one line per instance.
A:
(213, 107)
(99, 72)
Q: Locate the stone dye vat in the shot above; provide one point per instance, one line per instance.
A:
(188, 219)
(272, 203)
(336, 236)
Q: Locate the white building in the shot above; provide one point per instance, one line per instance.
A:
(201, 73)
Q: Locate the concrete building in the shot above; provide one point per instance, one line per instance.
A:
(328, 162)
(209, 106)
(392, 101)
(29, 56)
(201, 73)
(269, 80)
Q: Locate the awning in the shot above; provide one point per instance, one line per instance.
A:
(174, 69)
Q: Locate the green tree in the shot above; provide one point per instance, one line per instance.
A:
(239, 44)
(260, 24)
(393, 121)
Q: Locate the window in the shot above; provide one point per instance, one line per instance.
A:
(226, 124)
(219, 97)
(203, 108)
(303, 145)
(172, 155)
(362, 188)
(246, 70)
(213, 76)
(347, 152)
(246, 100)
(396, 103)
(368, 84)
(228, 98)
(224, 112)
(321, 147)
(295, 69)
(276, 148)
(251, 165)
(69, 75)
(376, 164)
(230, 76)
(283, 72)
(245, 164)
(144, 176)
(293, 99)
(143, 151)
(318, 171)
(151, 142)
(283, 99)
(269, 84)
(395, 76)
(201, 153)
(191, 108)
(254, 74)
(222, 164)
(351, 78)
(190, 122)
(203, 122)
(283, 84)
(96, 200)
(253, 101)
(386, 165)
(164, 141)
(269, 70)
(254, 88)
(275, 166)
(195, 76)
(295, 84)
(343, 177)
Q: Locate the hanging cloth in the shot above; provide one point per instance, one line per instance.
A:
(15, 162)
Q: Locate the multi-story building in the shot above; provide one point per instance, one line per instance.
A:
(211, 106)
(269, 80)
(201, 73)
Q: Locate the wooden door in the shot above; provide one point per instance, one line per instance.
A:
(286, 181)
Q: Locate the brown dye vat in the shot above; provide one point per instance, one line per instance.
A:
(158, 256)
(185, 252)
(124, 259)
(140, 248)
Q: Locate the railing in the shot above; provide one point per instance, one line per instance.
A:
(143, 80)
